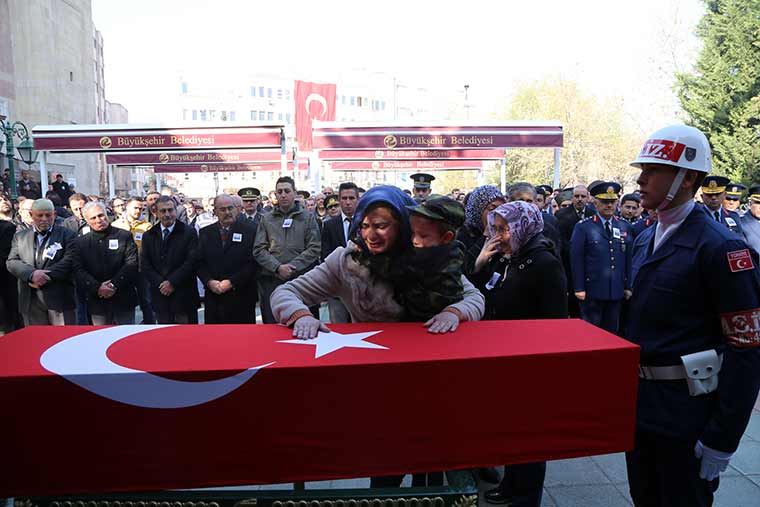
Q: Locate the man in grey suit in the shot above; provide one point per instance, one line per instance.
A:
(41, 259)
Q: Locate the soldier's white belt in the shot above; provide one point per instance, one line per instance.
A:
(700, 370)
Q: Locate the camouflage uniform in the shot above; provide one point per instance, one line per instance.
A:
(430, 279)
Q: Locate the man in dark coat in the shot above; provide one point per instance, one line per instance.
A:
(225, 265)
(105, 268)
(167, 257)
(28, 187)
(78, 225)
(567, 218)
(8, 293)
(61, 188)
(41, 259)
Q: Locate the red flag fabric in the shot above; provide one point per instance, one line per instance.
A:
(134, 408)
(314, 101)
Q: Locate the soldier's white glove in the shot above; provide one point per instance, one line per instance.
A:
(713, 462)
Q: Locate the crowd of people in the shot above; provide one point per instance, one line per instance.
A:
(671, 266)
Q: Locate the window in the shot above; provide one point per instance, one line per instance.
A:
(195, 114)
(270, 115)
(279, 116)
(203, 115)
(287, 118)
(184, 88)
(287, 94)
(261, 91)
(353, 100)
(232, 115)
(382, 105)
(254, 115)
(212, 115)
(253, 91)
(223, 115)
(358, 102)
(269, 93)
(279, 93)
(343, 99)
(184, 114)
(71, 76)
(262, 116)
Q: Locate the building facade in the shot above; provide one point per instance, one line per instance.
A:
(51, 72)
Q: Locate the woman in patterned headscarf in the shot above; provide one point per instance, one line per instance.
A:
(478, 204)
(521, 276)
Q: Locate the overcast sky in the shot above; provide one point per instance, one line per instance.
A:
(613, 48)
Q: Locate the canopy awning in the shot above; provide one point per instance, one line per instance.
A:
(490, 135)
(158, 137)
(435, 154)
(196, 157)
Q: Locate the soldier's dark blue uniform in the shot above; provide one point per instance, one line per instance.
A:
(690, 295)
(730, 219)
(600, 259)
(641, 224)
(714, 189)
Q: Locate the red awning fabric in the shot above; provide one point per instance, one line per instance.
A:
(107, 138)
(333, 136)
(129, 408)
(196, 157)
(406, 165)
(434, 154)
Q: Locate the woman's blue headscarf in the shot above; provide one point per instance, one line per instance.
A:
(396, 200)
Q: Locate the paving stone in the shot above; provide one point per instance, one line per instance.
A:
(754, 478)
(596, 495)
(737, 492)
(613, 466)
(625, 491)
(753, 428)
(574, 472)
(747, 458)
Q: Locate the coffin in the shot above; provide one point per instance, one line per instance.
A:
(140, 408)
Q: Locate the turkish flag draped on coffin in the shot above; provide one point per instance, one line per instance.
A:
(314, 101)
(97, 409)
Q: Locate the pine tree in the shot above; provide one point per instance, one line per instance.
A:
(722, 96)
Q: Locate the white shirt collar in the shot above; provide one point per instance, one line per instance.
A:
(171, 228)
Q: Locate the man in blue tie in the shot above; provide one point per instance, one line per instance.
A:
(600, 259)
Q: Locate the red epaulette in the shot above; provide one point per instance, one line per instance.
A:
(595, 218)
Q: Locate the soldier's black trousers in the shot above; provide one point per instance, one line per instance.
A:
(664, 472)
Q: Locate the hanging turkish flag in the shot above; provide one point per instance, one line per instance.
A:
(314, 101)
(137, 408)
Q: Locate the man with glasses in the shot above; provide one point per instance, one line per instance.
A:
(118, 206)
(226, 267)
(287, 244)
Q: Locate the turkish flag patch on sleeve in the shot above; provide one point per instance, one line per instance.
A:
(740, 260)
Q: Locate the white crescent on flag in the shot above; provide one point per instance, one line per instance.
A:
(82, 360)
(315, 97)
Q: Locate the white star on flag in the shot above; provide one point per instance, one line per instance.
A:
(330, 342)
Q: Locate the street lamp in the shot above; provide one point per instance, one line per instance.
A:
(25, 150)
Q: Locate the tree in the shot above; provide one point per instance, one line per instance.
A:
(722, 96)
(598, 144)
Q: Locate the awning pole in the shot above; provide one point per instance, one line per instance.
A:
(503, 175)
(556, 167)
(44, 174)
(482, 174)
(109, 173)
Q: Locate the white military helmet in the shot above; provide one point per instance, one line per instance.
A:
(679, 146)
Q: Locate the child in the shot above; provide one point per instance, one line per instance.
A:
(432, 270)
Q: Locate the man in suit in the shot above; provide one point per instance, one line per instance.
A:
(335, 233)
(76, 222)
(105, 267)
(28, 187)
(61, 187)
(751, 219)
(168, 253)
(42, 259)
(225, 265)
(567, 218)
(24, 218)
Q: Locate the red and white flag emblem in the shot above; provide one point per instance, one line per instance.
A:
(740, 260)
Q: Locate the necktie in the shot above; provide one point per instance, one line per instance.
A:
(607, 228)
(346, 227)
(39, 238)
(224, 233)
(251, 217)
(717, 216)
(166, 233)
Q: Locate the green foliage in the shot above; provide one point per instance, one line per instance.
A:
(598, 145)
(722, 96)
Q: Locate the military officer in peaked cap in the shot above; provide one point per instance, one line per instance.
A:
(251, 198)
(733, 197)
(751, 219)
(713, 194)
(422, 185)
(600, 260)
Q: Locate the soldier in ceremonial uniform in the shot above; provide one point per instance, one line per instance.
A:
(733, 197)
(600, 259)
(713, 194)
(696, 298)
(332, 206)
(751, 219)
(630, 208)
(422, 185)
(644, 222)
